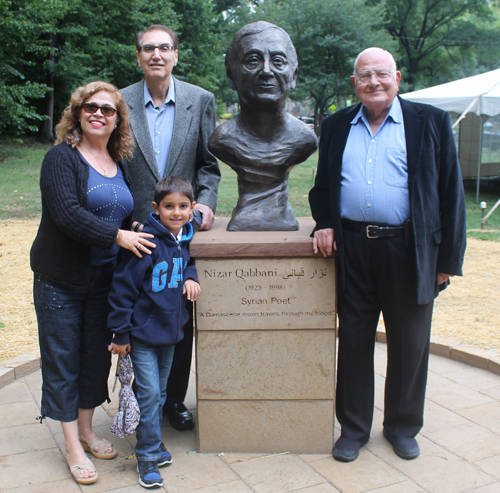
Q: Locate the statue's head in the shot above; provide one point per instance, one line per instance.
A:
(261, 64)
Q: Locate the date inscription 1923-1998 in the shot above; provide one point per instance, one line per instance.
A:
(272, 287)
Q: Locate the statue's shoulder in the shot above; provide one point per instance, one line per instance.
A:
(224, 139)
(302, 134)
(224, 131)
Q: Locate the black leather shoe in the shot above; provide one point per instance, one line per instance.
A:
(406, 448)
(346, 450)
(178, 416)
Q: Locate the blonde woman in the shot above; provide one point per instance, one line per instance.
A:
(87, 208)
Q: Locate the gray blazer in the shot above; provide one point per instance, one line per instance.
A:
(189, 156)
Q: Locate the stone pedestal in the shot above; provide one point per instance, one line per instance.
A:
(265, 342)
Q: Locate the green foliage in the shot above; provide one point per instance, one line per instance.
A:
(17, 115)
(49, 47)
(328, 35)
(25, 26)
(441, 38)
(225, 5)
(198, 42)
(61, 44)
(95, 40)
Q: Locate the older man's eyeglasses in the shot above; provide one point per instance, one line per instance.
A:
(382, 74)
(164, 48)
(91, 108)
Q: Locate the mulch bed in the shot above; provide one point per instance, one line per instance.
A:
(467, 311)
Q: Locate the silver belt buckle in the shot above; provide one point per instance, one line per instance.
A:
(368, 234)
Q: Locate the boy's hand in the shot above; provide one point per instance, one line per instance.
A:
(192, 289)
(121, 349)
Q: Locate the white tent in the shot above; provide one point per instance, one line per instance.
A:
(479, 94)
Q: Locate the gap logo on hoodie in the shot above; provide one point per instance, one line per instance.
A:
(160, 275)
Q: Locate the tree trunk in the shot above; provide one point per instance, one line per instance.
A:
(316, 117)
(46, 131)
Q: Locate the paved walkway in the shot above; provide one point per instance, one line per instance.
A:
(460, 445)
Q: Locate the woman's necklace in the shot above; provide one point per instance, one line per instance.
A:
(104, 168)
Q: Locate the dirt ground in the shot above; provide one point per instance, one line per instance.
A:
(467, 311)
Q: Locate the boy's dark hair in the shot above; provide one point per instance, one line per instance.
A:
(173, 184)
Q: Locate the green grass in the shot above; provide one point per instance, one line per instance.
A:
(490, 195)
(20, 193)
(19, 180)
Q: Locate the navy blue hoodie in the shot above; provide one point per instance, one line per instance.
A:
(146, 297)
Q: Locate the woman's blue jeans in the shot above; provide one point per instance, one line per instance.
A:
(74, 338)
(151, 368)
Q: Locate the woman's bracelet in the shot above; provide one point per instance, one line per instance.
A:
(119, 236)
(137, 226)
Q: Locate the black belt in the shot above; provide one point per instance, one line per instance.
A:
(373, 230)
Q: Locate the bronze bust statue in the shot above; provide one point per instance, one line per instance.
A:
(263, 142)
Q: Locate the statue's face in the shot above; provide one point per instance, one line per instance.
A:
(263, 70)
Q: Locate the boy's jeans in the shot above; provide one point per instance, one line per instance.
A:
(151, 367)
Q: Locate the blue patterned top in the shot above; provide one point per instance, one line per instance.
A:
(109, 199)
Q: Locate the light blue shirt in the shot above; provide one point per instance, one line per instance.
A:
(374, 179)
(161, 124)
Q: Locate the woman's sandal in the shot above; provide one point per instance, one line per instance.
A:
(86, 465)
(102, 444)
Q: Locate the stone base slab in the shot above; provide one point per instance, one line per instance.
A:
(265, 342)
(266, 365)
(298, 427)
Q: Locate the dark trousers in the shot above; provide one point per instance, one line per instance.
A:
(381, 277)
(178, 379)
(73, 335)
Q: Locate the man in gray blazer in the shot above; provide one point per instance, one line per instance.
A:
(172, 122)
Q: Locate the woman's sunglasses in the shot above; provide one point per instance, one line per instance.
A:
(92, 108)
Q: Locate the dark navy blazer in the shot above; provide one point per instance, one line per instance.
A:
(437, 201)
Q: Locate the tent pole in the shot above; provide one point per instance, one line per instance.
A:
(480, 149)
(464, 114)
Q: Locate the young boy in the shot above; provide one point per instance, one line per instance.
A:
(148, 312)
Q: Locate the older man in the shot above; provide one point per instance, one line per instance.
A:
(172, 122)
(389, 198)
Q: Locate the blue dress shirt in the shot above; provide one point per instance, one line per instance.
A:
(161, 124)
(374, 180)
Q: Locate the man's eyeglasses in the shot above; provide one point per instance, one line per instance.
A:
(92, 108)
(381, 74)
(164, 48)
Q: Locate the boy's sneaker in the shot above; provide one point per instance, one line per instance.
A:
(165, 457)
(149, 474)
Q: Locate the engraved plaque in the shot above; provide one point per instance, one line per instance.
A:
(263, 293)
